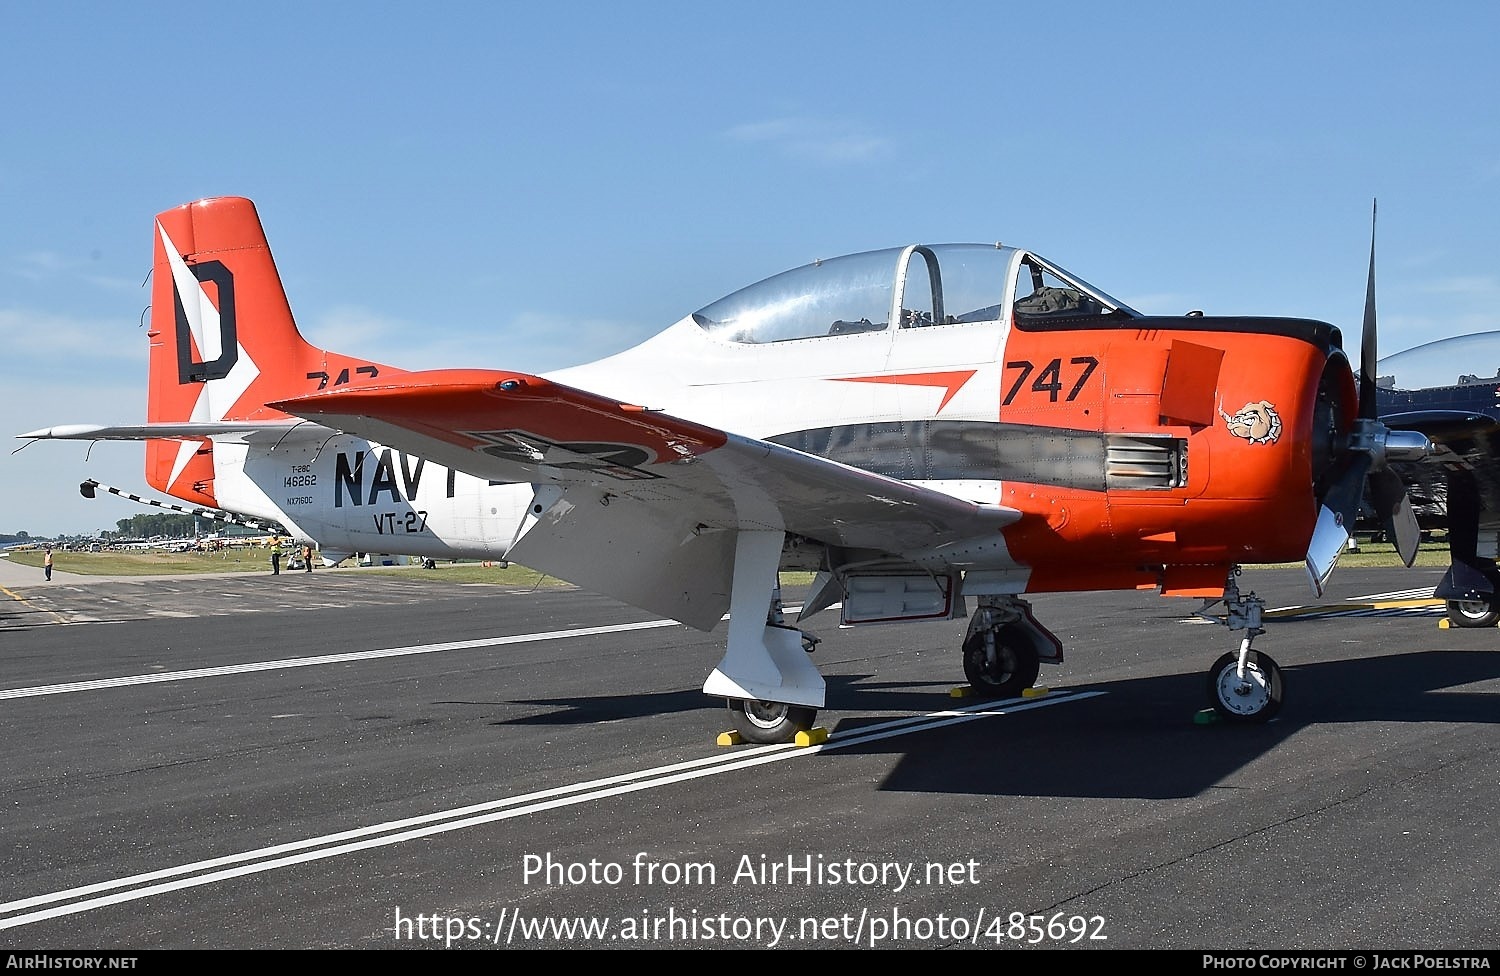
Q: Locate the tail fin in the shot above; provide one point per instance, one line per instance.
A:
(223, 340)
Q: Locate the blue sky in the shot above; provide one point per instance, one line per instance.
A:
(535, 185)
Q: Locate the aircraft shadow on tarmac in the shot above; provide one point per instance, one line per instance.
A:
(612, 708)
(1138, 740)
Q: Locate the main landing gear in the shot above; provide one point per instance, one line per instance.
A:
(1002, 654)
(1247, 686)
(1004, 648)
(770, 722)
(1472, 613)
(772, 690)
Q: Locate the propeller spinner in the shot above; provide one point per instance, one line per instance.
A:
(1362, 457)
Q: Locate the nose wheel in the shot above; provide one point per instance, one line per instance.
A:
(1253, 695)
(1245, 685)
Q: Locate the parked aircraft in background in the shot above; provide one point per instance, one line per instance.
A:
(928, 428)
(1449, 390)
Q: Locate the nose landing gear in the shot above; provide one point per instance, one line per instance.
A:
(1247, 686)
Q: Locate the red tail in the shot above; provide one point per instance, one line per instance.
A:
(223, 340)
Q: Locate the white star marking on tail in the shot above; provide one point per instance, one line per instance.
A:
(217, 396)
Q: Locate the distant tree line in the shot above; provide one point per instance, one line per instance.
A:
(144, 526)
(165, 524)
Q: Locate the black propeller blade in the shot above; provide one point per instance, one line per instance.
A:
(1393, 507)
(1369, 444)
(1368, 351)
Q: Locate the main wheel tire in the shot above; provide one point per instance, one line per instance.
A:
(770, 723)
(1256, 699)
(1013, 671)
(1472, 613)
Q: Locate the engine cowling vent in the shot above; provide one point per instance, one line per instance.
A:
(1136, 462)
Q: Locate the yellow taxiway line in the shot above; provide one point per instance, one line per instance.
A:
(26, 603)
(1328, 609)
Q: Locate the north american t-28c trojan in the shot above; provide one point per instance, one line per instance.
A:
(926, 428)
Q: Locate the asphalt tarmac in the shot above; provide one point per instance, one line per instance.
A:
(370, 760)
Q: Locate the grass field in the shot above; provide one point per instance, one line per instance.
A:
(152, 562)
(1382, 554)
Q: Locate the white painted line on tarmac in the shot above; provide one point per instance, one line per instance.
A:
(124, 681)
(307, 662)
(136, 887)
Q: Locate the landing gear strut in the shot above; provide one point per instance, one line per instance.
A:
(771, 688)
(772, 722)
(1247, 686)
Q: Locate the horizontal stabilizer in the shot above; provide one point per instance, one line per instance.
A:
(90, 489)
(173, 431)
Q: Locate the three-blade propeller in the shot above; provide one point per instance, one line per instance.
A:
(1367, 448)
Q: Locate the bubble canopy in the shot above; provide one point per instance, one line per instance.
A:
(913, 286)
(1456, 361)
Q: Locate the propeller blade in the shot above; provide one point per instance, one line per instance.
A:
(1369, 447)
(1335, 523)
(1368, 347)
(1393, 508)
(1328, 542)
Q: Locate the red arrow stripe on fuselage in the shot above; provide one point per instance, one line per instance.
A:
(950, 382)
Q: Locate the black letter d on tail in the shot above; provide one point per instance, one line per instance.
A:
(189, 371)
